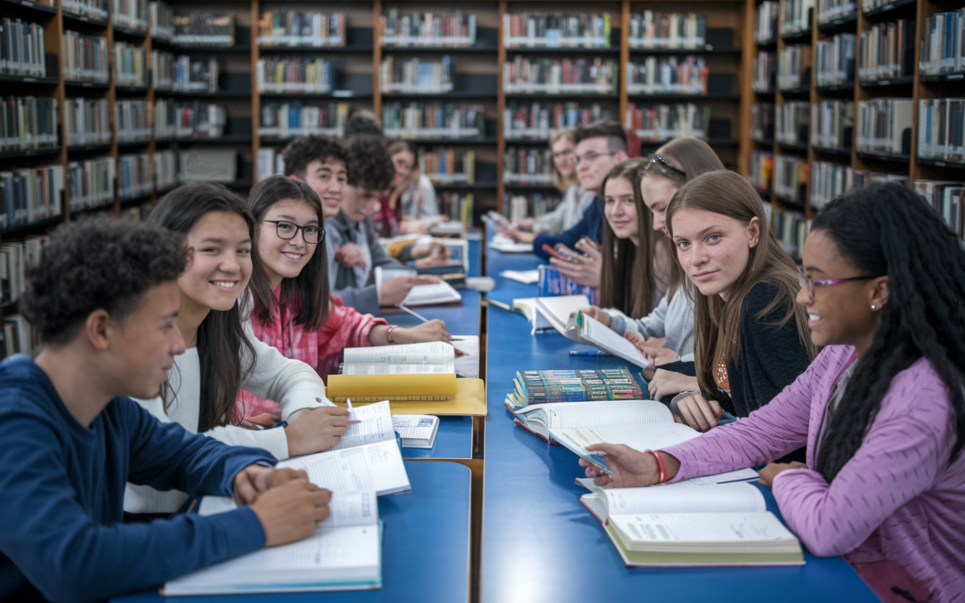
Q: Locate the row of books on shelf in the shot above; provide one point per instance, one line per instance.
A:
(285, 120)
(291, 28)
(796, 16)
(560, 76)
(417, 28)
(526, 165)
(295, 75)
(834, 60)
(883, 125)
(887, 51)
(132, 14)
(87, 121)
(188, 119)
(943, 44)
(433, 120)
(540, 120)
(130, 65)
(131, 120)
(941, 129)
(31, 194)
(948, 199)
(548, 30)
(790, 227)
(165, 170)
(15, 258)
(830, 11)
(134, 176)
(794, 67)
(764, 72)
(765, 21)
(672, 75)
(28, 123)
(90, 183)
(458, 206)
(663, 122)
(22, 48)
(204, 29)
(161, 19)
(791, 122)
(85, 58)
(828, 180)
(651, 29)
(94, 9)
(762, 122)
(827, 124)
(448, 166)
(532, 204)
(416, 75)
(791, 177)
(183, 73)
(832, 124)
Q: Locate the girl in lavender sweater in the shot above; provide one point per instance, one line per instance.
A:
(881, 409)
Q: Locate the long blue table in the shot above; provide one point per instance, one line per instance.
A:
(425, 547)
(540, 544)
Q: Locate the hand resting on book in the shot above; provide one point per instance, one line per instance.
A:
(291, 511)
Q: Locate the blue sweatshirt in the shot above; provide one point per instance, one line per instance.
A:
(62, 485)
(590, 225)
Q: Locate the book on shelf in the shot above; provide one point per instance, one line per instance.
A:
(131, 121)
(527, 165)
(791, 229)
(531, 203)
(94, 9)
(131, 14)
(943, 44)
(791, 120)
(296, 29)
(18, 336)
(193, 119)
(165, 170)
(796, 16)
(662, 122)
(28, 123)
(22, 48)
(762, 170)
(834, 60)
(794, 67)
(161, 17)
(887, 51)
(433, 120)
(547, 30)
(31, 194)
(540, 120)
(651, 29)
(828, 180)
(279, 75)
(458, 206)
(134, 176)
(416, 431)
(87, 121)
(85, 58)
(948, 199)
(941, 129)
(418, 371)
(791, 177)
(416, 76)
(552, 283)
(130, 65)
(414, 28)
(448, 166)
(765, 22)
(268, 162)
(15, 258)
(696, 523)
(884, 125)
(90, 183)
(764, 72)
(525, 75)
(204, 29)
(588, 385)
(285, 119)
(208, 164)
(829, 11)
(685, 75)
(344, 552)
(832, 124)
(762, 122)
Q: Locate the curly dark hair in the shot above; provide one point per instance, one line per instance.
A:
(369, 164)
(361, 121)
(886, 229)
(96, 264)
(306, 149)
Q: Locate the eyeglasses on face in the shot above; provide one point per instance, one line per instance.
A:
(592, 157)
(567, 154)
(312, 234)
(804, 281)
(660, 160)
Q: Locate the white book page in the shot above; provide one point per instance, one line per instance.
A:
(527, 277)
(375, 426)
(433, 352)
(375, 466)
(398, 369)
(607, 340)
(685, 497)
(638, 437)
(570, 415)
(414, 427)
(346, 508)
(740, 475)
(384, 274)
(436, 293)
(557, 309)
(701, 527)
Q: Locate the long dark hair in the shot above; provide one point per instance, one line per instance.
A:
(308, 292)
(221, 338)
(716, 322)
(628, 279)
(886, 229)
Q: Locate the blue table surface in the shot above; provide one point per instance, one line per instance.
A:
(425, 547)
(453, 441)
(540, 544)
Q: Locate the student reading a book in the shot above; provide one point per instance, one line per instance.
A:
(293, 310)
(751, 339)
(350, 239)
(881, 410)
(105, 301)
(223, 356)
(569, 210)
(599, 146)
(666, 334)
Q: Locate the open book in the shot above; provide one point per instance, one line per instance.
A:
(693, 524)
(419, 295)
(541, 418)
(415, 371)
(555, 311)
(582, 328)
(416, 431)
(504, 244)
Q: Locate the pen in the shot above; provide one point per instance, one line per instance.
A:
(414, 313)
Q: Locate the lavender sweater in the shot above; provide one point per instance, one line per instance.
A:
(895, 500)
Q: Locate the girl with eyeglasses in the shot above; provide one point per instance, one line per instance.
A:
(293, 309)
(223, 356)
(881, 409)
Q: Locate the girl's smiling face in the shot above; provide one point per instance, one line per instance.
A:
(219, 265)
(620, 209)
(281, 258)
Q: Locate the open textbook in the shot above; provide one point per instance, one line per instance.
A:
(416, 371)
(416, 431)
(693, 523)
(542, 418)
(345, 551)
(419, 295)
(582, 328)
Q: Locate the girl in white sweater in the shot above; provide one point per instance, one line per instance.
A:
(222, 355)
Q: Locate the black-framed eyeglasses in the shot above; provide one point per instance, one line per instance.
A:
(805, 281)
(313, 234)
(663, 162)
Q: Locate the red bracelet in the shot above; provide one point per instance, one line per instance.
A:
(660, 465)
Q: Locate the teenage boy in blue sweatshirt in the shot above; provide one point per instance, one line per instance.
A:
(105, 301)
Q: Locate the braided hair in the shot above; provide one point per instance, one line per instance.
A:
(886, 229)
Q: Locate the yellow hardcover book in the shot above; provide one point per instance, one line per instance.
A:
(375, 388)
(470, 400)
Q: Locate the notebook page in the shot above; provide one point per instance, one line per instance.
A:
(433, 352)
(685, 497)
(436, 293)
(606, 339)
(375, 426)
(397, 369)
(346, 508)
(375, 466)
(618, 412)
(702, 527)
(638, 437)
(414, 427)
